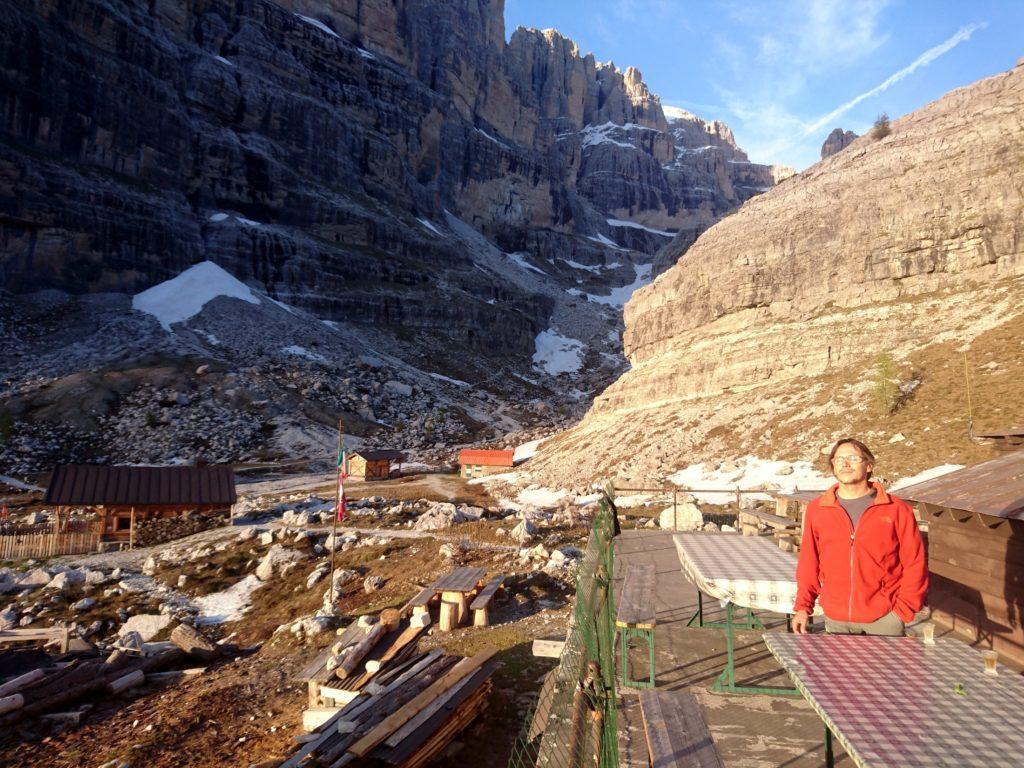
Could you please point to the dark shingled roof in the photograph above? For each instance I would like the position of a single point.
(379, 455)
(139, 486)
(993, 487)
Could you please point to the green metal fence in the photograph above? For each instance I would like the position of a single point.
(573, 722)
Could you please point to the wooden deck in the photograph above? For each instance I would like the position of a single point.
(748, 731)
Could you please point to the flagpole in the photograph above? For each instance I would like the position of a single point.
(337, 503)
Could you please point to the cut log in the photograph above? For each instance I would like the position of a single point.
(399, 718)
(348, 664)
(193, 643)
(130, 680)
(15, 685)
(390, 618)
(449, 618)
(548, 649)
(459, 598)
(411, 633)
(115, 659)
(11, 703)
(481, 617)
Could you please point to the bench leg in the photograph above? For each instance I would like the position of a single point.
(627, 634)
(830, 760)
(480, 618)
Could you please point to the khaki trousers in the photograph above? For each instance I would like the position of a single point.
(889, 625)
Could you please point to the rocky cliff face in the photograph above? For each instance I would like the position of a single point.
(393, 165)
(837, 141)
(777, 311)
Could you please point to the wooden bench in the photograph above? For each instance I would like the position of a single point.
(420, 603)
(676, 732)
(785, 529)
(481, 603)
(60, 635)
(635, 619)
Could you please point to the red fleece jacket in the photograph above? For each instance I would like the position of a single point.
(860, 575)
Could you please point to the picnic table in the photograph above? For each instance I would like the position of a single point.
(455, 588)
(745, 571)
(895, 701)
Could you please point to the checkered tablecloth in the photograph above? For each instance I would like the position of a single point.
(748, 571)
(893, 702)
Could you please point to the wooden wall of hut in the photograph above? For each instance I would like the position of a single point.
(976, 567)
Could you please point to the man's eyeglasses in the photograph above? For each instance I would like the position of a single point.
(853, 461)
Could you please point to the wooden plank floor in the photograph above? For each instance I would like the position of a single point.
(748, 731)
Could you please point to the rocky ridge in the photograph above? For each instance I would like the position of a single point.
(837, 141)
(886, 247)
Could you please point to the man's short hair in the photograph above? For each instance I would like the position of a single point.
(864, 451)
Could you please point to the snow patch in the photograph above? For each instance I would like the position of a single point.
(556, 353)
(430, 226)
(222, 60)
(218, 217)
(746, 473)
(526, 450)
(928, 474)
(298, 351)
(634, 225)
(520, 259)
(365, 53)
(603, 240)
(619, 296)
(318, 24)
(450, 380)
(229, 604)
(182, 297)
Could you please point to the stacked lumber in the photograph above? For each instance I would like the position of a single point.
(411, 713)
(364, 650)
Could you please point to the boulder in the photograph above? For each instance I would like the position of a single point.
(83, 605)
(247, 534)
(685, 517)
(524, 532)
(267, 538)
(398, 388)
(278, 560)
(66, 580)
(8, 619)
(373, 583)
(149, 567)
(147, 625)
(34, 579)
(439, 517)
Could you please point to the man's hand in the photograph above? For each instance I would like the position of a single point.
(800, 622)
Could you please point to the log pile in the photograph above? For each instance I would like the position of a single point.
(45, 691)
(159, 530)
(409, 714)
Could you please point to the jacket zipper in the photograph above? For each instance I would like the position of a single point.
(853, 534)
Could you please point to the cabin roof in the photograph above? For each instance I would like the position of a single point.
(92, 484)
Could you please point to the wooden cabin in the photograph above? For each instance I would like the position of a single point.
(373, 465)
(124, 497)
(975, 541)
(477, 463)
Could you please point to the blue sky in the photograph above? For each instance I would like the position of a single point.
(784, 74)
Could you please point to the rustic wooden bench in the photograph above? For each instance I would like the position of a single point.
(481, 603)
(60, 635)
(635, 619)
(677, 735)
(420, 603)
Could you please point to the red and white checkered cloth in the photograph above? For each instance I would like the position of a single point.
(893, 702)
(748, 571)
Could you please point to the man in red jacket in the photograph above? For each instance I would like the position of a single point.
(861, 554)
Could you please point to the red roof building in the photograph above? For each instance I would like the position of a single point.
(477, 463)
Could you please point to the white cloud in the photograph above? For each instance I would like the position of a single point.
(926, 58)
